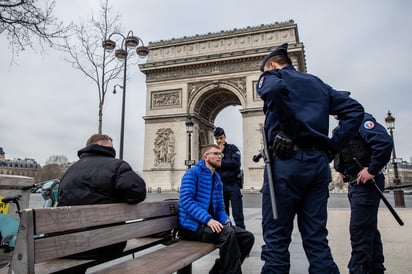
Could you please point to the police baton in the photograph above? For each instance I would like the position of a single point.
(388, 205)
(268, 165)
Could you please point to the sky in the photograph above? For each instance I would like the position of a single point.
(49, 108)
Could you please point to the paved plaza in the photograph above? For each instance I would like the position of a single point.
(397, 241)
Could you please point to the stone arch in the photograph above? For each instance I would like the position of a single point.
(199, 76)
(208, 101)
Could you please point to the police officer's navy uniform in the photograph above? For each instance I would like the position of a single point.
(229, 173)
(372, 147)
(301, 181)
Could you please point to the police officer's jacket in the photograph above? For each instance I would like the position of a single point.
(371, 146)
(230, 168)
(300, 104)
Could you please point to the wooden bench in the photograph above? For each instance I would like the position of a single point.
(47, 235)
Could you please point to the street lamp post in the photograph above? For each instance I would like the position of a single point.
(189, 130)
(123, 114)
(128, 42)
(397, 193)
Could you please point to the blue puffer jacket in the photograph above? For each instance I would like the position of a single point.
(195, 194)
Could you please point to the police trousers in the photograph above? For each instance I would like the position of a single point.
(233, 196)
(367, 250)
(301, 189)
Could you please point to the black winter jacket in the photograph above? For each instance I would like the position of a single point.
(99, 178)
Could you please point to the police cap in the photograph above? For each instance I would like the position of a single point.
(281, 50)
(218, 131)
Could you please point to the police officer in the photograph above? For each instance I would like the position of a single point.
(371, 147)
(297, 108)
(229, 172)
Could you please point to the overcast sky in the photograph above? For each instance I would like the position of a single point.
(48, 108)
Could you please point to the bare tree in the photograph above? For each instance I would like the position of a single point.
(51, 171)
(55, 167)
(23, 20)
(86, 53)
(57, 159)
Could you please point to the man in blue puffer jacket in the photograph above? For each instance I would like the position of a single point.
(202, 215)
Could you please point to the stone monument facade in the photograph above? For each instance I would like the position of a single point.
(198, 76)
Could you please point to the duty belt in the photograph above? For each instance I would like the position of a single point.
(307, 147)
(352, 178)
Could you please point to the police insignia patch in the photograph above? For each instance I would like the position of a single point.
(369, 125)
(262, 79)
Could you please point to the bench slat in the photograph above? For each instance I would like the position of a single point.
(49, 220)
(132, 246)
(71, 243)
(178, 255)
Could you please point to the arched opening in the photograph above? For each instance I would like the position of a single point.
(230, 119)
(211, 100)
(219, 97)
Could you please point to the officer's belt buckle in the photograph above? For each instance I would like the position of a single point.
(352, 182)
(352, 179)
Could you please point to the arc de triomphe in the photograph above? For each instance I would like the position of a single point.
(199, 76)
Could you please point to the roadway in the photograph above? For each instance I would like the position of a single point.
(253, 199)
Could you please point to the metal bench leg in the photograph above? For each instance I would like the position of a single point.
(185, 270)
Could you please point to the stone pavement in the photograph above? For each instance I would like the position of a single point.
(397, 241)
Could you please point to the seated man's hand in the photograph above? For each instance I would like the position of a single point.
(214, 225)
(283, 145)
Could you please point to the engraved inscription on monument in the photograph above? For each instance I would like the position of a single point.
(168, 98)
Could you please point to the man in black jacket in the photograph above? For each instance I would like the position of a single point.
(99, 178)
(229, 172)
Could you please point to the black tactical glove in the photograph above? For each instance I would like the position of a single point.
(283, 145)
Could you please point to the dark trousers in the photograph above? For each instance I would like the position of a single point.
(367, 250)
(232, 194)
(301, 189)
(234, 245)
